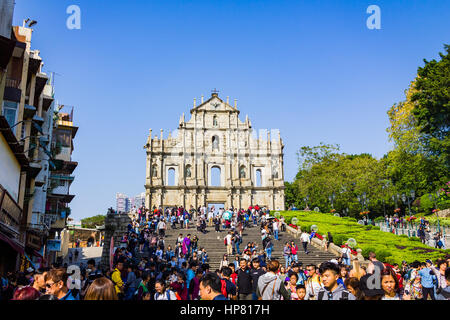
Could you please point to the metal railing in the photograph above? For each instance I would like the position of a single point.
(10, 211)
(12, 83)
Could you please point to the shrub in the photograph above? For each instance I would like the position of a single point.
(443, 204)
(379, 219)
(366, 250)
(382, 254)
(426, 204)
(391, 260)
(339, 239)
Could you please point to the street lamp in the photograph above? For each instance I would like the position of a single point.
(364, 202)
(395, 199)
(306, 200)
(408, 199)
(331, 198)
(383, 187)
(435, 198)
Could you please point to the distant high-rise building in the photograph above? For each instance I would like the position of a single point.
(138, 201)
(122, 203)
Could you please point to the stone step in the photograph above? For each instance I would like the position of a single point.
(213, 244)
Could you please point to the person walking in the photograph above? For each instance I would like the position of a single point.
(256, 272)
(287, 254)
(244, 281)
(229, 243)
(130, 285)
(270, 286)
(345, 255)
(268, 247)
(162, 228)
(116, 278)
(294, 251)
(304, 238)
(427, 276)
(224, 262)
(275, 229)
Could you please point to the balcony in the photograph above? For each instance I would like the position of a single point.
(61, 194)
(29, 112)
(34, 169)
(12, 90)
(12, 83)
(6, 50)
(62, 177)
(48, 96)
(10, 212)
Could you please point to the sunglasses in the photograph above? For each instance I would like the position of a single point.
(49, 285)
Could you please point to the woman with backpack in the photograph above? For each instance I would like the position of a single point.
(142, 289)
(162, 293)
(267, 243)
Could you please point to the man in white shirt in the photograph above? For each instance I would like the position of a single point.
(346, 255)
(161, 227)
(275, 229)
(210, 217)
(228, 238)
(304, 238)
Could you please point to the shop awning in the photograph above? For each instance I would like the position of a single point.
(16, 246)
(37, 254)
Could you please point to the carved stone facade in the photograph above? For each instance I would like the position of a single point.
(249, 168)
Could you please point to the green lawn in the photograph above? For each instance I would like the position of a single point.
(389, 248)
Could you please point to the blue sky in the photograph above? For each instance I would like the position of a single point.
(309, 68)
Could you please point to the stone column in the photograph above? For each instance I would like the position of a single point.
(229, 201)
(272, 200)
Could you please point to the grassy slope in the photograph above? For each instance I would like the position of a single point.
(388, 247)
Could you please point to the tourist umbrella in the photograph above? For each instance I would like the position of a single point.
(227, 215)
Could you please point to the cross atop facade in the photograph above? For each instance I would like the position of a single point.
(214, 92)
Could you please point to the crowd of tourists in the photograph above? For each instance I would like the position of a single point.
(145, 268)
(424, 231)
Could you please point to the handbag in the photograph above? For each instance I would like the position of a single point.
(273, 289)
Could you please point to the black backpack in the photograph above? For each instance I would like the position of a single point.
(344, 296)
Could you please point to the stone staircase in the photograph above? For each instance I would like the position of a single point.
(213, 243)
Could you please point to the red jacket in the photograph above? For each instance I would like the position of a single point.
(181, 289)
(294, 249)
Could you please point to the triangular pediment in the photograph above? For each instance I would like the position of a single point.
(214, 104)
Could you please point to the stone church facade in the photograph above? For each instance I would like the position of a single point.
(215, 158)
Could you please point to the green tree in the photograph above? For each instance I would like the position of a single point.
(432, 106)
(92, 222)
(323, 171)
